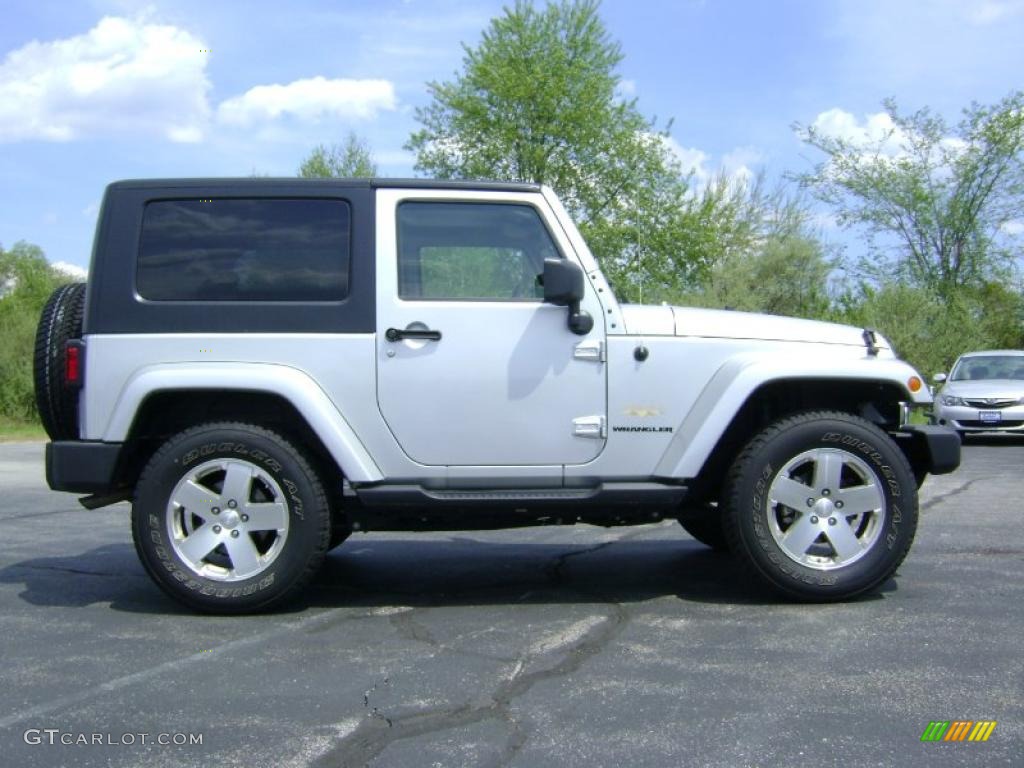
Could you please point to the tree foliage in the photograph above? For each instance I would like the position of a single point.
(785, 276)
(760, 252)
(537, 100)
(26, 281)
(931, 330)
(945, 194)
(352, 159)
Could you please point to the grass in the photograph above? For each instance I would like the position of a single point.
(12, 430)
(920, 416)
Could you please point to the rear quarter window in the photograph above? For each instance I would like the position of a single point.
(294, 250)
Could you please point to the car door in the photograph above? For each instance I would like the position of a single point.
(490, 375)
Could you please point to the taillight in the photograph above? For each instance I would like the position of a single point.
(74, 359)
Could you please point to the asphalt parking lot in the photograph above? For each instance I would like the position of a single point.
(573, 646)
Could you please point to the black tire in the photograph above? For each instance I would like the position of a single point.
(831, 566)
(707, 529)
(217, 582)
(60, 322)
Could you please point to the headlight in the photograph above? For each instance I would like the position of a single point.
(951, 400)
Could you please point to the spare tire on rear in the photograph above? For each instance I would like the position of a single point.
(60, 322)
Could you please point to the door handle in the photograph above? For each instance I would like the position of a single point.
(396, 334)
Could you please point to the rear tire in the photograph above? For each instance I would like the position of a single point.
(230, 518)
(821, 506)
(60, 322)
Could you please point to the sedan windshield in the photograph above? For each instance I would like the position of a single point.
(989, 367)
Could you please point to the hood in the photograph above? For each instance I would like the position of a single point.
(727, 324)
(1004, 389)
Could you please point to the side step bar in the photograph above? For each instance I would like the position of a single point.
(411, 507)
(605, 495)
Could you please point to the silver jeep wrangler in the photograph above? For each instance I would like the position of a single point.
(263, 366)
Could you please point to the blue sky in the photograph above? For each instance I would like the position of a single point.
(97, 90)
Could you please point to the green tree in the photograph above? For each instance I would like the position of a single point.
(26, 281)
(785, 276)
(760, 252)
(931, 330)
(352, 159)
(945, 194)
(537, 100)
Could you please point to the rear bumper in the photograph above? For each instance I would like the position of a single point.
(81, 466)
(931, 448)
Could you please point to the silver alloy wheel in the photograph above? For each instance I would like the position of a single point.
(227, 520)
(825, 508)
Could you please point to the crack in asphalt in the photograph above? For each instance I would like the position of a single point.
(943, 497)
(554, 572)
(65, 569)
(408, 628)
(378, 731)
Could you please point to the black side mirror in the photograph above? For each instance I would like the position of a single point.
(563, 282)
(563, 286)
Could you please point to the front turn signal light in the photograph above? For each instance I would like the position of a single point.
(914, 384)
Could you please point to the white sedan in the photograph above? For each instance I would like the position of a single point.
(983, 393)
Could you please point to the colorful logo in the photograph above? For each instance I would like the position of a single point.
(958, 730)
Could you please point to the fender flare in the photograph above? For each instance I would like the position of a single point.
(294, 385)
(737, 379)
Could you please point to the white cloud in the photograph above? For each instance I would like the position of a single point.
(877, 128)
(878, 139)
(932, 51)
(990, 11)
(123, 75)
(691, 159)
(825, 221)
(739, 164)
(626, 89)
(309, 100)
(1013, 227)
(72, 270)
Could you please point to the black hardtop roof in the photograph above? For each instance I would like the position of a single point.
(251, 182)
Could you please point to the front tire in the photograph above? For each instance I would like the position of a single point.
(821, 506)
(230, 518)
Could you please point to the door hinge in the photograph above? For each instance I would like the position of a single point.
(590, 426)
(590, 350)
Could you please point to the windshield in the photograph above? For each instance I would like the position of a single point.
(989, 367)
